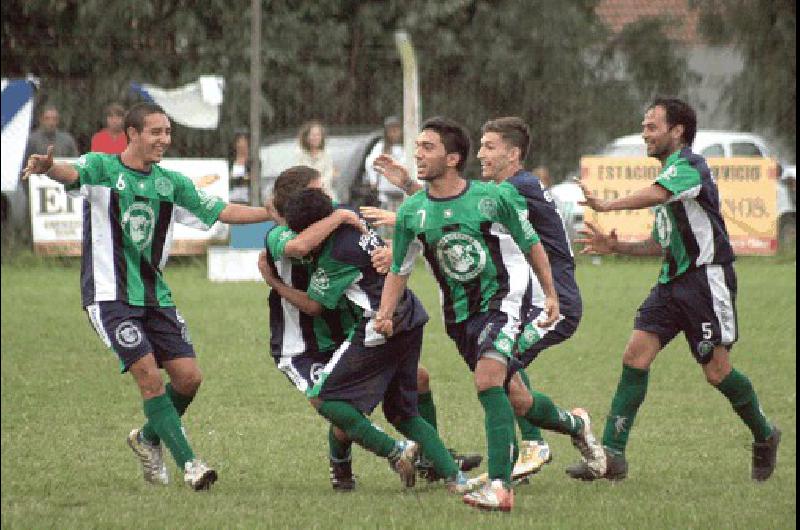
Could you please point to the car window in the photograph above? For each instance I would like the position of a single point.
(625, 150)
(713, 150)
(745, 149)
(277, 157)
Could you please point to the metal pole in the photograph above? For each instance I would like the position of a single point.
(255, 103)
(411, 104)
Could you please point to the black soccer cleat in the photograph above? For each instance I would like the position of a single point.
(465, 462)
(342, 478)
(765, 455)
(616, 469)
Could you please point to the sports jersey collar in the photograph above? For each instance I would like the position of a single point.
(444, 199)
(142, 173)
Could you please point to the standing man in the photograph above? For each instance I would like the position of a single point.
(695, 293)
(111, 139)
(49, 134)
(367, 368)
(504, 147)
(485, 287)
(131, 204)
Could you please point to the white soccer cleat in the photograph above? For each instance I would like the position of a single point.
(492, 496)
(198, 475)
(151, 458)
(590, 449)
(533, 455)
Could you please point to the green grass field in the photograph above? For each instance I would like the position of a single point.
(66, 412)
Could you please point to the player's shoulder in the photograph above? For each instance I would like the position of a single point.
(352, 246)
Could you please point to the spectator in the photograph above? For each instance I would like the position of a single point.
(48, 134)
(544, 176)
(389, 195)
(239, 169)
(312, 153)
(111, 139)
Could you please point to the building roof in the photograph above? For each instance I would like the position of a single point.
(616, 14)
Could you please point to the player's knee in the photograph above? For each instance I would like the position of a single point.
(340, 435)
(521, 402)
(423, 380)
(188, 383)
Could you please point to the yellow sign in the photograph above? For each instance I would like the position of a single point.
(747, 188)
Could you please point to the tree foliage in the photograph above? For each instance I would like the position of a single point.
(553, 63)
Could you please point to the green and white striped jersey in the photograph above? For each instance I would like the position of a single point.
(689, 226)
(127, 227)
(476, 269)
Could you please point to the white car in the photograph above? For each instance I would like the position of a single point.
(708, 143)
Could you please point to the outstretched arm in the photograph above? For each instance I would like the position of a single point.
(643, 198)
(394, 172)
(313, 236)
(296, 297)
(239, 214)
(43, 165)
(598, 242)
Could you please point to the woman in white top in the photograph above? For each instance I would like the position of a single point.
(392, 144)
(312, 154)
(239, 169)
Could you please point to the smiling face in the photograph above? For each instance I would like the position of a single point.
(431, 156)
(151, 143)
(498, 158)
(661, 139)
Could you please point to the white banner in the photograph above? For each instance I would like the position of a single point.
(193, 105)
(57, 218)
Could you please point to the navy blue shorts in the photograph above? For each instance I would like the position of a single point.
(133, 331)
(491, 331)
(701, 303)
(534, 339)
(304, 370)
(365, 376)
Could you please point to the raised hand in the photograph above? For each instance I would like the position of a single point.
(595, 203)
(377, 216)
(392, 170)
(596, 241)
(382, 259)
(38, 164)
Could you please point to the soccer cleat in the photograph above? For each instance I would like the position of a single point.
(459, 484)
(590, 449)
(465, 462)
(492, 496)
(402, 461)
(198, 476)
(533, 455)
(342, 478)
(616, 469)
(765, 455)
(151, 458)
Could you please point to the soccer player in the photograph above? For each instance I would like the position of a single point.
(367, 368)
(504, 147)
(695, 293)
(485, 286)
(131, 205)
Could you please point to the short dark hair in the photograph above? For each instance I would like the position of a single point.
(454, 137)
(513, 130)
(290, 182)
(136, 115)
(678, 113)
(306, 207)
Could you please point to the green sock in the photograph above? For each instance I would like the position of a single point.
(426, 408)
(630, 394)
(339, 451)
(528, 430)
(179, 401)
(545, 414)
(357, 427)
(500, 434)
(739, 391)
(419, 430)
(166, 423)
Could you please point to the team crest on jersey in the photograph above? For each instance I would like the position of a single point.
(128, 335)
(81, 162)
(705, 347)
(461, 256)
(315, 372)
(319, 280)
(207, 200)
(369, 241)
(670, 172)
(503, 344)
(663, 227)
(488, 207)
(139, 221)
(164, 186)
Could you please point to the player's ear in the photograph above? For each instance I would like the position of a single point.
(452, 159)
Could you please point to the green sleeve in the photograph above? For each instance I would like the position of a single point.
(680, 179)
(330, 280)
(277, 238)
(401, 243)
(203, 206)
(90, 171)
(512, 210)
